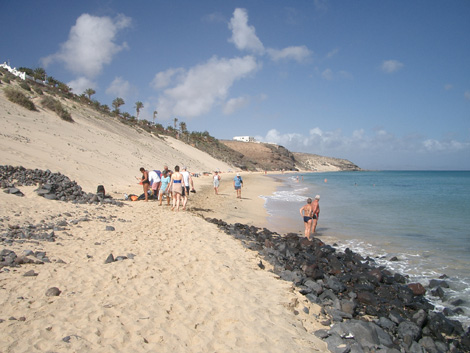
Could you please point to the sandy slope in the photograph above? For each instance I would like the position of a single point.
(94, 150)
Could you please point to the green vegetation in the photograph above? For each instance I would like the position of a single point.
(54, 105)
(20, 98)
(116, 104)
(25, 86)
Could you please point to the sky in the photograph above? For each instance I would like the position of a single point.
(384, 84)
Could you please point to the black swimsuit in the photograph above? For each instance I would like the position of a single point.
(144, 180)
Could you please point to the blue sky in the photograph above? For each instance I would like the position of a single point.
(385, 84)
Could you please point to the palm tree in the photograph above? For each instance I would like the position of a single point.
(117, 103)
(138, 107)
(89, 92)
(154, 116)
(39, 74)
(183, 128)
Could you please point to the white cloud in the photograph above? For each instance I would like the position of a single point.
(120, 88)
(244, 36)
(327, 74)
(332, 53)
(440, 146)
(234, 104)
(391, 66)
(467, 95)
(380, 143)
(80, 84)
(164, 79)
(197, 90)
(448, 87)
(91, 44)
(299, 53)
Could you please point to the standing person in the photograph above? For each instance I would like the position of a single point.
(164, 188)
(155, 180)
(307, 213)
(316, 213)
(176, 186)
(188, 182)
(237, 184)
(216, 182)
(145, 182)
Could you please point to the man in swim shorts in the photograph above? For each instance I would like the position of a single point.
(316, 213)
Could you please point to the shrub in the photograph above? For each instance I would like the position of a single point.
(20, 98)
(25, 86)
(38, 90)
(54, 105)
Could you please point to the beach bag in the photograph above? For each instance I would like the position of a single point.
(100, 189)
(133, 197)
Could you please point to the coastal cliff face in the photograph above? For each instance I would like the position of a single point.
(314, 162)
(264, 156)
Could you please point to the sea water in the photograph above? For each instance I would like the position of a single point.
(422, 218)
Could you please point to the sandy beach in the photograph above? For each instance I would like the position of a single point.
(182, 285)
(189, 287)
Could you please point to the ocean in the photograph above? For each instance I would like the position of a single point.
(420, 217)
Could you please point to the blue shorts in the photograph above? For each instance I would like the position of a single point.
(238, 187)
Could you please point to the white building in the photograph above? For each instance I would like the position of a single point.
(244, 139)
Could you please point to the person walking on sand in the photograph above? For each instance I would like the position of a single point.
(307, 213)
(188, 182)
(145, 182)
(164, 188)
(237, 184)
(176, 185)
(216, 182)
(316, 213)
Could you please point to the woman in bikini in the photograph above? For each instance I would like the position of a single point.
(176, 185)
(307, 212)
(145, 182)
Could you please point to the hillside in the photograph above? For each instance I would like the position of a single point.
(264, 156)
(93, 149)
(82, 132)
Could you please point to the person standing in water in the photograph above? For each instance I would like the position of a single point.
(307, 213)
(316, 213)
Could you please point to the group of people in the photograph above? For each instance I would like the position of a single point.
(237, 184)
(175, 185)
(310, 212)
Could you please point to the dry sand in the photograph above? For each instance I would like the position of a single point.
(189, 287)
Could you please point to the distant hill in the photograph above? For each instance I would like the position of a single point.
(264, 156)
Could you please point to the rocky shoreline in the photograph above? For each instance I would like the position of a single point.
(365, 307)
(52, 186)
